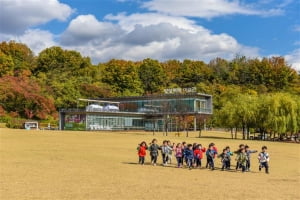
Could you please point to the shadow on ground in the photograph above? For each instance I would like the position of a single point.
(174, 166)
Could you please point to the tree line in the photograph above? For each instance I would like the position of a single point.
(249, 93)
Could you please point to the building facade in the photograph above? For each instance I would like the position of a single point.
(159, 112)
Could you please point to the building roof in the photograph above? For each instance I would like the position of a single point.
(161, 96)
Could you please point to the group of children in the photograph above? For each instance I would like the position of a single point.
(192, 155)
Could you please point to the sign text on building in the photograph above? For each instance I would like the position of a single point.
(180, 90)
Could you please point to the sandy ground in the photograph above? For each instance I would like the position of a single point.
(103, 165)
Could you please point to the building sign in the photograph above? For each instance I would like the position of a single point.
(180, 90)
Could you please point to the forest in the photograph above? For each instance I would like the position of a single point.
(248, 93)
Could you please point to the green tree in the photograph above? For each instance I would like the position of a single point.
(172, 71)
(6, 64)
(63, 74)
(15, 58)
(220, 68)
(227, 118)
(123, 77)
(192, 73)
(278, 114)
(152, 76)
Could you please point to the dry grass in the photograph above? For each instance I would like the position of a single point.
(98, 165)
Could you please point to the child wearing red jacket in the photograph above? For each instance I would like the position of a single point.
(198, 155)
(142, 152)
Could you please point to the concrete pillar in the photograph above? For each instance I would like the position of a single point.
(195, 123)
(61, 121)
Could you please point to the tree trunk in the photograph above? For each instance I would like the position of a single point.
(186, 129)
(231, 130)
(200, 132)
(243, 132)
(248, 133)
(153, 127)
(166, 129)
(235, 133)
(261, 131)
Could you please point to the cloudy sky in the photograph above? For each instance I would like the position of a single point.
(159, 29)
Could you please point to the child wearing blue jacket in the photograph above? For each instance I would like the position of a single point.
(229, 153)
(189, 155)
(210, 155)
(248, 153)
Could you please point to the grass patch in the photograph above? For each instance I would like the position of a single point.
(102, 165)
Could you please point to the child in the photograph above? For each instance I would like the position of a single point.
(165, 149)
(248, 153)
(228, 164)
(189, 155)
(242, 160)
(170, 153)
(154, 151)
(183, 146)
(210, 155)
(194, 146)
(225, 157)
(241, 146)
(264, 159)
(198, 155)
(142, 152)
(214, 148)
(215, 151)
(178, 154)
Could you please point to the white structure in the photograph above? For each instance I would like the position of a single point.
(111, 108)
(31, 125)
(94, 108)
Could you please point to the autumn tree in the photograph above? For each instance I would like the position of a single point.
(23, 97)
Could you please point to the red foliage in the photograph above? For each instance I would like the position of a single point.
(2, 111)
(24, 96)
(14, 114)
(93, 91)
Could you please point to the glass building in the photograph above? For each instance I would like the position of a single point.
(158, 112)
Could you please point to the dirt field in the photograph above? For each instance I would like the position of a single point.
(97, 165)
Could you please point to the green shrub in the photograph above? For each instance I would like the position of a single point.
(5, 119)
(17, 123)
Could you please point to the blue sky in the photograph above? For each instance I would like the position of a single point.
(159, 29)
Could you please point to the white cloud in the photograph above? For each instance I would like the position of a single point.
(85, 28)
(207, 8)
(18, 15)
(128, 22)
(36, 39)
(160, 35)
(140, 36)
(294, 59)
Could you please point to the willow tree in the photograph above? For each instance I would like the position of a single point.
(226, 117)
(278, 114)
